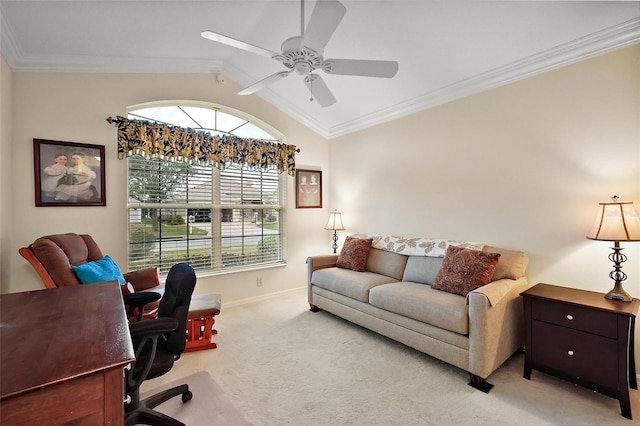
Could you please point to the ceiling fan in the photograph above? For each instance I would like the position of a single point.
(304, 54)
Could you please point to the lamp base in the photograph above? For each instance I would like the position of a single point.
(335, 242)
(618, 293)
(617, 275)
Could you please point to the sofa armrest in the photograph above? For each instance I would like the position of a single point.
(496, 324)
(318, 262)
(143, 279)
(495, 291)
(322, 261)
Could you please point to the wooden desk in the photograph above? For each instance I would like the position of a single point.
(62, 352)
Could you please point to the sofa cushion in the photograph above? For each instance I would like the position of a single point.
(464, 270)
(386, 263)
(354, 254)
(355, 285)
(422, 269)
(512, 264)
(422, 303)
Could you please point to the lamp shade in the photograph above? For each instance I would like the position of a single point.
(617, 221)
(335, 221)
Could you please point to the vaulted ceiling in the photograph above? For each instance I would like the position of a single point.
(445, 49)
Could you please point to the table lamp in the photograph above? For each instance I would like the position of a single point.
(335, 224)
(616, 221)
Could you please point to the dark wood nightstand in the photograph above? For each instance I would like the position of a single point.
(582, 337)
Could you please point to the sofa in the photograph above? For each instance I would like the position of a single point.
(394, 293)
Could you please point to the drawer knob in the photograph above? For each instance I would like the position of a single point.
(569, 317)
(570, 353)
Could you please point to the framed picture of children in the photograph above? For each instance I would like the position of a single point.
(68, 174)
(308, 189)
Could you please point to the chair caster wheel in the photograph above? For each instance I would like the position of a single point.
(187, 396)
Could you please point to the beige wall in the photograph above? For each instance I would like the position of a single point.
(73, 107)
(6, 76)
(521, 166)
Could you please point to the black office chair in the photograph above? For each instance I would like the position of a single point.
(158, 343)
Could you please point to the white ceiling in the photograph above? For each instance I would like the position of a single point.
(445, 49)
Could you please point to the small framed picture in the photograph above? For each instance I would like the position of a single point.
(68, 174)
(308, 189)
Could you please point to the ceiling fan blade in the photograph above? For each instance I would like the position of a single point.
(366, 68)
(319, 90)
(324, 20)
(264, 83)
(237, 44)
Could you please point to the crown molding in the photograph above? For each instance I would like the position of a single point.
(599, 43)
(8, 45)
(114, 64)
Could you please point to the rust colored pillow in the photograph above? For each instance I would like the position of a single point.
(354, 253)
(464, 270)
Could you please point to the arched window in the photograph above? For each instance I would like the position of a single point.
(216, 220)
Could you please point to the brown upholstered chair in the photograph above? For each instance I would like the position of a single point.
(53, 255)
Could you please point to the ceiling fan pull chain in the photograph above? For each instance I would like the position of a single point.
(311, 87)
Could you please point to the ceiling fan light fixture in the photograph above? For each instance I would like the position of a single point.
(303, 68)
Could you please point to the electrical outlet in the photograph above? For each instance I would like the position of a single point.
(259, 281)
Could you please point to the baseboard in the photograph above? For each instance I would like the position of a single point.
(262, 297)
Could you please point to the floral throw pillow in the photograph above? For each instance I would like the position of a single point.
(464, 270)
(354, 254)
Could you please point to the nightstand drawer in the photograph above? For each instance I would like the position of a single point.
(575, 317)
(580, 356)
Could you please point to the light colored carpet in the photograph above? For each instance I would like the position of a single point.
(210, 404)
(281, 364)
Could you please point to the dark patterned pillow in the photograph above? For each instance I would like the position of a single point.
(354, 253)
(464, 270)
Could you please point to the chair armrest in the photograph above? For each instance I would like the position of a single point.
(136, 302)
(496, 324)
(141, 298)
(152, 328)
(143, 279)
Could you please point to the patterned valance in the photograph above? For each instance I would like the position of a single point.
(174, 143)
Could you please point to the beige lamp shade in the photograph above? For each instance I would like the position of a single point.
(617, 221)
(335, 221)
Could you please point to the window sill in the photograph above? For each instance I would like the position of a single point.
(237, 270)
